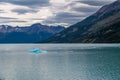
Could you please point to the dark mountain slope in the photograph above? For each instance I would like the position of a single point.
(76, 33)
(105, 31)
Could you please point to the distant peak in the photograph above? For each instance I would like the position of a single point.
(37, 24)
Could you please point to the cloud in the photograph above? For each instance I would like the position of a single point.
(74, 11)
(36, 18)
(25, 14)
(49, 12)
(12, 21)
(83, 7)
(24, 11)
(96, 2)
(66, 17)
(69, 15)
(29, 3)
(1, 11)
(7, 18)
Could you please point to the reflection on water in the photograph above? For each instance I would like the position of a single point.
(61, 62)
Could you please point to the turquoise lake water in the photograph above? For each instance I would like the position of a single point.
(61, 62)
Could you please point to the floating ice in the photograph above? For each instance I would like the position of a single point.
(37, 51)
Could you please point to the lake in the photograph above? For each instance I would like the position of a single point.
(61, 62)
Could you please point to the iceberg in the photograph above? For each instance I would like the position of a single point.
(37, 51)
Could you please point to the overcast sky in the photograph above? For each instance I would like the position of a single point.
(50, 12)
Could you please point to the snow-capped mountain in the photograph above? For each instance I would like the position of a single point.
(29, 34)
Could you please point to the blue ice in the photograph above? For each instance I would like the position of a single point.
(37, 51)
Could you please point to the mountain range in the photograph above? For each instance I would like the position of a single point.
(101, 27)
(29, 34)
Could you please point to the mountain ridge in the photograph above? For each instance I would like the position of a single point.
(28, 34)
(75, 33)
